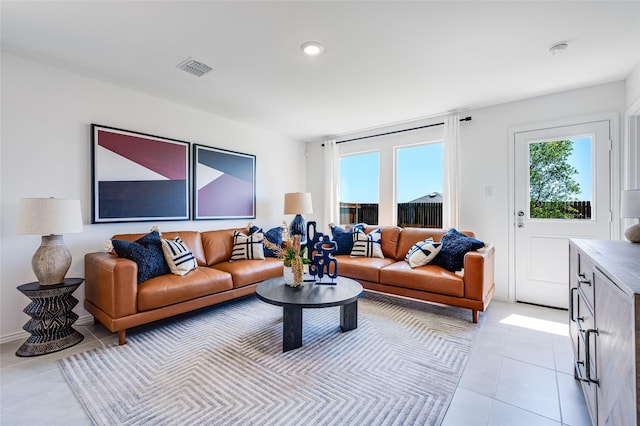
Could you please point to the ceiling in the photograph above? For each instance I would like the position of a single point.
(383, 62)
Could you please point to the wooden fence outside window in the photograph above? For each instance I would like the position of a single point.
(427, 215)
(417, 215)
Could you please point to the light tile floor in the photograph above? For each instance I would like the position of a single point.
(520, 372)
(515, 376)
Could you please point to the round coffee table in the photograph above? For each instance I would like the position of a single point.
(345, 294)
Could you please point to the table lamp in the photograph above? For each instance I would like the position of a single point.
(630, 207)
(50, 217)
(298, 203)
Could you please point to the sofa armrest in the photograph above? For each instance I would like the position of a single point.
(479, 272)
(111, 283)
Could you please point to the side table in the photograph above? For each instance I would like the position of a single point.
(51, 317)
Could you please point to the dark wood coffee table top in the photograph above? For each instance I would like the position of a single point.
(309, 294)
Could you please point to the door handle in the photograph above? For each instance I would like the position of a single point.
(582, 279)
(519, 221)
(587, 351)
(571, 303)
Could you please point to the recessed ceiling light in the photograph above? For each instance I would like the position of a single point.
(312, 48)
(559, 47)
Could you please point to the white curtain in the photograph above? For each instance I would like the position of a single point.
(451, 172)
(331, 185)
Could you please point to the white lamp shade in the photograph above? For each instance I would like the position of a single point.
(48, 216)
(630, 203)
(297, 203)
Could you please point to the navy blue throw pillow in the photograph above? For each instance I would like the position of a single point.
(344, 238)
(147, 253)
(454, 246)
(274, 235)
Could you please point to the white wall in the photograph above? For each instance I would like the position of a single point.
(632, 132)
(633, 86)
(485, 163)
(46, 151)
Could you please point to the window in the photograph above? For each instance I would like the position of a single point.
(359, 188)
(560, 179)
(419, 185)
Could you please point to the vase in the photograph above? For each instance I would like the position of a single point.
(289, 278)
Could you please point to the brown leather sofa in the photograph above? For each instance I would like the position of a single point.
(115, 299)
(432, 283)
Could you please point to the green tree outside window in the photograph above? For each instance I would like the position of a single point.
(552, 186)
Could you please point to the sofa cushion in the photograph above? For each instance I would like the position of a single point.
(191, 239)
(454, 246)
(178, 256)
(410, 236)
(247, 247)
(366, 245)
(422, 252)
(245, 272)
(146, 252)
(429, 278)
(389, 239)
(218, 245)
(361, 268)
(169, 289)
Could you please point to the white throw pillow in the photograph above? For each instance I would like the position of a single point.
(367, 245)
(422, 252)
(247, 247)
(178, 256)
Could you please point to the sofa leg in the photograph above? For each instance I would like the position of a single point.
(475, 315)
(122, 337)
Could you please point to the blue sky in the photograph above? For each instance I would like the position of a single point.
(359, 178)
(581, 159)
(421, 172)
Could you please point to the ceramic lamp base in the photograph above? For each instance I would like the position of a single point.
(633, 233)
(299, 227)
(51, 261)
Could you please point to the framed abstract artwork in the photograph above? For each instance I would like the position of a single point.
(138, 177)
(224, 184)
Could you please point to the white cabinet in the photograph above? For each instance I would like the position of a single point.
(604, 315)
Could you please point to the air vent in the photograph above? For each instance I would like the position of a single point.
(194, 67)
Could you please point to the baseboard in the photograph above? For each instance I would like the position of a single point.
(23, 335)
(85, 320)
(18, 335)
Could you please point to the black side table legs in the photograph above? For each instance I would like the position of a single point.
(51, 317)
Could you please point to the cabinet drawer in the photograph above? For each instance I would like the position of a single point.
(584, 313)
(582, 336)
(586, 367)
(589, 389)
(584, 278)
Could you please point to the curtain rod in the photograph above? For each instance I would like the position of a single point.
(398, 131)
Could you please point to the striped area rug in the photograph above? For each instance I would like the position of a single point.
(225, 366)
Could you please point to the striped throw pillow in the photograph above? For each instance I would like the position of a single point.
(367, 245)
(247, 246)
(422, 252)
(178, 256)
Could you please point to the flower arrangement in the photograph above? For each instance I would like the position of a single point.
(291, 252)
